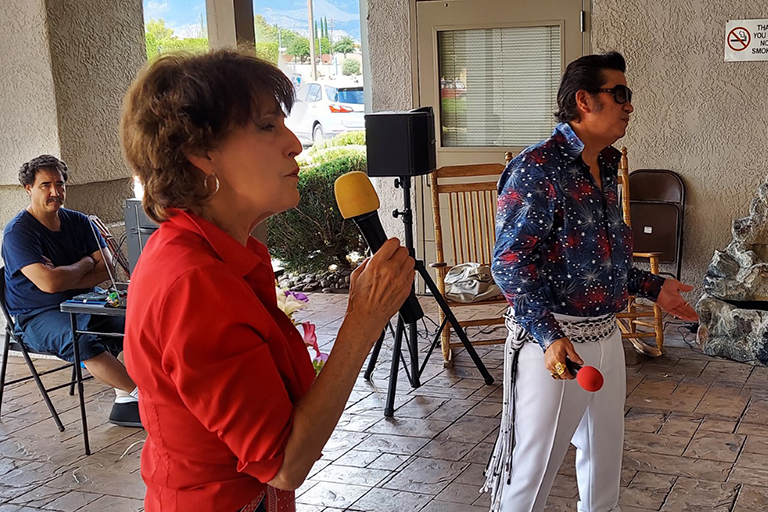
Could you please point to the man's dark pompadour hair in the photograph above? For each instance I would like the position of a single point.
(584, 73)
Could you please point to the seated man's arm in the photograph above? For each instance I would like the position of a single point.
(98, 274)
(52, 279)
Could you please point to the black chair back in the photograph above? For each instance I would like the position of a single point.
(656, 208)
(14, 341)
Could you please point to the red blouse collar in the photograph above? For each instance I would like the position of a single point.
(229, 250)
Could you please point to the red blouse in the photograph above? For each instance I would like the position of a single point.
(219, 367)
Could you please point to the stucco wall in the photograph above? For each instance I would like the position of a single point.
(66, 67)
(389, 52)
(694, 113)
(97, 46)
(27, 103)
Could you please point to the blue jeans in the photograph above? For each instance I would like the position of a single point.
(50, 332)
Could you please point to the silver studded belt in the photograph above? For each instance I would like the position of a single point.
(578, 331)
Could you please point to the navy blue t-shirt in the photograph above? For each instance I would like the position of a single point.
(26, 241)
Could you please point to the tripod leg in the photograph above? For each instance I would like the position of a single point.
(414, 351)
(445, 342)
(374, 356)
(454, 323)
(389, 407)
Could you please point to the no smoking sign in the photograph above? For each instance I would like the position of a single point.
(746, 40)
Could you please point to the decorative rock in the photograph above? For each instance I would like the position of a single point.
(327, 282)
(734, 308)
(726, 330)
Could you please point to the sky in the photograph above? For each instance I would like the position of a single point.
(184, 15)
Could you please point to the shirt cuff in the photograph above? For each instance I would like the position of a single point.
(263, 470)
(651, 287)
(546, 331)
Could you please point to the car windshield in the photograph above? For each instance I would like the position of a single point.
(345, 95)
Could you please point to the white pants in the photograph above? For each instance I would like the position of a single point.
(550, 414)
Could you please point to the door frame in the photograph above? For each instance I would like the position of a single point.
(422, 194)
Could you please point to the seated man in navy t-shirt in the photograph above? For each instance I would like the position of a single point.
(51, 255)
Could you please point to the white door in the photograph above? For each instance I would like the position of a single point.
(490, 69)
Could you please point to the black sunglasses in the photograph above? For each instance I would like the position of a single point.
(621, 93)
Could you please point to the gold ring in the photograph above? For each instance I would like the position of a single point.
(560, 368)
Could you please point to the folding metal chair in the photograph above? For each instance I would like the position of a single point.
(657, 205)
(654, 211)
(19, 345)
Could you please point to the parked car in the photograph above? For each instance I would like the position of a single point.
(326, 108)
(452, 88)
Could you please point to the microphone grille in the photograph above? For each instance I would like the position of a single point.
(355, 194)
(590, 378)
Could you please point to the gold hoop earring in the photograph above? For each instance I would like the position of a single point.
(216, 184)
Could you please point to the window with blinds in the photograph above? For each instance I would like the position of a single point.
(498, 87)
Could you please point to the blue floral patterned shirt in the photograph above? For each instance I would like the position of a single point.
(561, 243)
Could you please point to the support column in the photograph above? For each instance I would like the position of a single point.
(230, 25)
(66, 67)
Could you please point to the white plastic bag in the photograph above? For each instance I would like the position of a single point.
(470, 282)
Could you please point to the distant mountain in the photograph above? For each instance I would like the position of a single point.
(341, 21)
(184, 15)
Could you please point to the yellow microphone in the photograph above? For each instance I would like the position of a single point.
(357, 200)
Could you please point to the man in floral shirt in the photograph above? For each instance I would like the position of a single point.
(563, 259)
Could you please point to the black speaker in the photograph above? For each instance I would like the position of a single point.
(400, 143)
(138, 228)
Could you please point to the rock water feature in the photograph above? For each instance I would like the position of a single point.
(733, 310)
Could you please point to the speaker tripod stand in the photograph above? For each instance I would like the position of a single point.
(414, 375)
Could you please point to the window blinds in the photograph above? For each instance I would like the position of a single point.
(498, 87)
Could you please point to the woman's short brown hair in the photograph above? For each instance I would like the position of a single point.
(184, 104)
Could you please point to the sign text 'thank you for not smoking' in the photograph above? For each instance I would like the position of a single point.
(746, 40)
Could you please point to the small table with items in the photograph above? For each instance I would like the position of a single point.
(75, 308)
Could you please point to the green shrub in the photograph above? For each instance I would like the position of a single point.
(349, 138)
(350, 67)
(268, 51)
(323, 155)
(314, 235)
(356, 138)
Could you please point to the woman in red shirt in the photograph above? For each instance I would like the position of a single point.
(234, 416)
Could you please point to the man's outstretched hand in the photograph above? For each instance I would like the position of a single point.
(671, 301)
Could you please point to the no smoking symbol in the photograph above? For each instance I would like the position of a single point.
(738, 39)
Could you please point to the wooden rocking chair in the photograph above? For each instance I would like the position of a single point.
(465, 213)
(637, 314)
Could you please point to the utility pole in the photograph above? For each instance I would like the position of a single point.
(312, 40)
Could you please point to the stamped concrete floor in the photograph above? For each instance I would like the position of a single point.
(696, 438)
